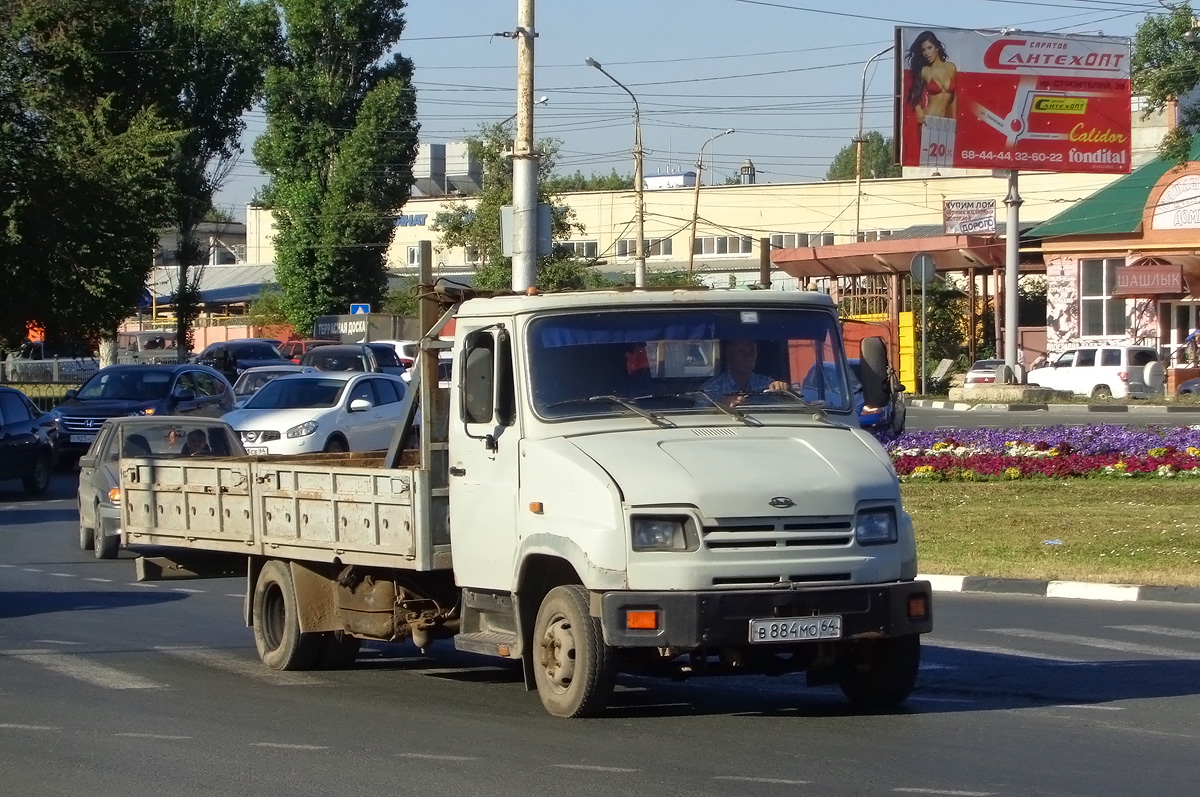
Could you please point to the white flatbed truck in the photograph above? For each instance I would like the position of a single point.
(596, 492)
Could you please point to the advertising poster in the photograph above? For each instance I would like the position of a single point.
(969, 216)
(1028, 101)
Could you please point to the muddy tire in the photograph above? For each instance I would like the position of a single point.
(275, 614)
(879, 674)
(86, 533)
(572, 667)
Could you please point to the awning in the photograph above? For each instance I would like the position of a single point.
(1157, 275)
(890, 256)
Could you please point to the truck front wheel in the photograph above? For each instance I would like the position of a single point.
(281, 645)
(573, 668)
(880, 673)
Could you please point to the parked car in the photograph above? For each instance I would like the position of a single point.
(231, 357)
(406, 350)
(26, 452)
(387, 359)
(167, 436)
(296, 349)
(147, 346)
(342, 357)
(252, 379)
(982, 372)
(445, 370)
(327, 411)
(39, 361)
(1190, 387)
(118, 390)
(1104, 372)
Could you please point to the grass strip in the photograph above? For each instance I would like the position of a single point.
(1101, 530)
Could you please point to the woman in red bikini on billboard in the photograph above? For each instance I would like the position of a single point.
(934, 90)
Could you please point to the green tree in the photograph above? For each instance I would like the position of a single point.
(558, 184)
(1166, 67)
(220, 50)
(340, 141)
(878, 159)
(402, 299)
(83, 170)
(476, 226)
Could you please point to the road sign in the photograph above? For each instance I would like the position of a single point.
(923, 268)
(360, 309)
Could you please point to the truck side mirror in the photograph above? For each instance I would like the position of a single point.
(478, 382)
(877, 387)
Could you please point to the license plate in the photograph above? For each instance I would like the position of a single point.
(796, 629)
(256, 451)
(82, 438)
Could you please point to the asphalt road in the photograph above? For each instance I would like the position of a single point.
(111, 687)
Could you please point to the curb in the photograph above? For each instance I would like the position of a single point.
(1078, 590)
(962, 406)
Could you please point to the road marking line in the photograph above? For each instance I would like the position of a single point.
(280, 746)
(999, 651)
(777, 781)
(101, 580)
(1094, 708)
(592, 768)
(432, 757)
(234, 595)
(1161, 630)
(31, 569)
(56, 642)
(8, 566)
(152, 736)
(240, 666)
(63, 575)
(83, 670)
(142, 584)
(13, 726)
(187, 590)
(1097, 642)
(947, 791)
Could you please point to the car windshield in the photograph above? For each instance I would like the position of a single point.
(689, 361)
(291, 394)
(127, 384)
(179, 440)
(250, 382)
(386, 355)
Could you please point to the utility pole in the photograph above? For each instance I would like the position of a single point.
(1012, 264)
(696, 198)
(858, 140)
(639, 261)
(525, 159)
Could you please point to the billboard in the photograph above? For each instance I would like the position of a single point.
(1030, 101)
(969, 216)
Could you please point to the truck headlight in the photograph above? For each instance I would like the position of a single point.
(659, 534)
(303, 430)
(875, 527)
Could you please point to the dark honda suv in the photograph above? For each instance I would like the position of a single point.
(119, 390)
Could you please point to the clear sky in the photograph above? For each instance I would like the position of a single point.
(786, 75)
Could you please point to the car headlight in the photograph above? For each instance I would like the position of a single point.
(875, 527)
(143, 411)
(659, 534)
(303, 430)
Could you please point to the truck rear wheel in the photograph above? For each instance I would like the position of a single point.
(281, 645)
(572, 667)
(880, 673)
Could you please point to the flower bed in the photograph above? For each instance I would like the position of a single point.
(1100, 450)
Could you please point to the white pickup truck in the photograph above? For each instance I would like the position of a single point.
(607, 486)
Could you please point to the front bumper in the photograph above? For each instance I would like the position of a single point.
(691, 620)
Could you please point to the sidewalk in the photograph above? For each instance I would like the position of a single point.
(1079, 590)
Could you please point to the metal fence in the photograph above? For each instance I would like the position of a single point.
(58, 371)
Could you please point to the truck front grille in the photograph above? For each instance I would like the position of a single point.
(742, 534)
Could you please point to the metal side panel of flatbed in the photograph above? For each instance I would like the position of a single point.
(307, 511)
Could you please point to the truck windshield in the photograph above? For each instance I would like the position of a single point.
(687, 361)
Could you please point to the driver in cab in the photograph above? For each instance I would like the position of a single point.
(739, 379)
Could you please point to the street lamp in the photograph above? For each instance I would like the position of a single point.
(542, 100)
(696, 198)
(639, 262)
(858, 140)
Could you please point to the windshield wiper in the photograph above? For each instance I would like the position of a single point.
(654, 418)
(817, 410)
(732, 413)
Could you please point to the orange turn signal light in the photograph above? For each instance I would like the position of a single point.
(114, 495)
(536, 507)
(642, 619)
(918, 607)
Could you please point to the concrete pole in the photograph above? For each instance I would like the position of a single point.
(696, 198)
(858, 140)
(1012, 262)
(525, 159)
